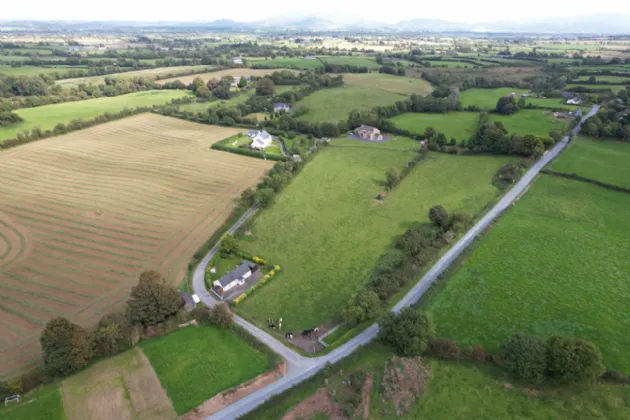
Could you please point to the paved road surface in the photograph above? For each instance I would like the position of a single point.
(300, 368)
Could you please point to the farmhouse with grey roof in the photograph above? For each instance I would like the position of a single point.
(281, 106)
(236, 277)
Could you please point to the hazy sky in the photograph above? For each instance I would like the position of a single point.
(389, 11)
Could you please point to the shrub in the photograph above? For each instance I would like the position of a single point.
(439, 216)
(228, 246)
(526, 357)
(408, 331)
(240, 298)
(572, 360)
(478, 354)
(616, 377)
(221, 316)
(276, 267)
(446, 349)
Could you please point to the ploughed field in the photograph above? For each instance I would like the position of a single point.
(85, 213)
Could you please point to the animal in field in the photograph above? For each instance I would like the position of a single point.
(289, 336)
(309, 332)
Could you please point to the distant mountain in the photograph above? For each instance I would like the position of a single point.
(432, 25)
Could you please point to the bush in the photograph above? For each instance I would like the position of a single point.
(526, 357)
(616, 377)
(572, 360)
(478, 354)
(446, 349)
(408, 331)
(361, 307)
(228, 246)
(240, 298)
(221, 316)
(439, 216)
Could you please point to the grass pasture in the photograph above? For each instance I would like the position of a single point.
(394, 84)
(196, 363)
(240, 72)
(36, 71)
(355, 60)
(457, 125)
(556, 263)
(292, 62)
(150, 73)
(610, 79)
(525, 121)
(335, 104)
(109, 202)
(121, 387)
(550, 103)
(45, 404)
(605, 161)
(613, 88)
(486, 98)
(327, 232)
(47, 116)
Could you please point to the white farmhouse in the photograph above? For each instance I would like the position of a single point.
(260, 139)
(236, 277)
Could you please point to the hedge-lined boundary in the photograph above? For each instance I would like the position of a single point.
(589, 180)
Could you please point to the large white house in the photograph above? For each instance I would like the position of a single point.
(260, 139)
(236, 277)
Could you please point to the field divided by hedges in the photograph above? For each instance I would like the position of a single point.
(108, 202)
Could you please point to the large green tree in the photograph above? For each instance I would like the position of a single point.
(152, 301)
(408, 331)
(439, 216)
(265, 86)
(361, 307)
(67, 347)
(112, 334)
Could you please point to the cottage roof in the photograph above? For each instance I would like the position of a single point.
(237, 273)
(367, 128)
(280, 105)
(253, 132)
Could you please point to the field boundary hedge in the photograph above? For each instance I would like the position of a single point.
(577, 177)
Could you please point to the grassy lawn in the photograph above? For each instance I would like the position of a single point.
(395, 142)
(461, 390)
(605, 161)
(550, 102)
(555, 264)
(335, 104)
(614, 88)
(457, 125)
(35, 71)
(300, 63)
(526, 121)
(611, 79)
(46, 117)
(486, 98)
(44, 404)
(327, 231)
(395, 84)
(196, 363)
(357, 60)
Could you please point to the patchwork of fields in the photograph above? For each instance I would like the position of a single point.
(85, 213)
(48, 116)
(239, 72)
(150, 73)
(327, 232)
(554, 264)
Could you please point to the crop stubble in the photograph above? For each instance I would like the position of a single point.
(83, 214)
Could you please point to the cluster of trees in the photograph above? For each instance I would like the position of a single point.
(559, 358)
(396, 71)
(507, 105)
(344, 68)
(276, 179)
(411, 253)
(8, 118)
(613, 121)
(68, 348)
(493, 137)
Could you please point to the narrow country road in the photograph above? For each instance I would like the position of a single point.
(300, 368)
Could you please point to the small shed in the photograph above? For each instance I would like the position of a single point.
(190, 301)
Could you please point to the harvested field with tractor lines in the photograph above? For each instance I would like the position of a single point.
(85, 213)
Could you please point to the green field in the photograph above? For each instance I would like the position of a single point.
(610, 79)
(457, 125)
(300, 63)
(525, 121)
(327, 231)
(557, 263)
(335, 104)
(46, 404)
(620, 68)
(196, 363)
(395, 142)
(162, 72)
(455, 64)
(357, 60)
(613, 88)
(486, 98)
(46, 117)
(36, 71)
(460, 390)
(550, 103)
(605, 161)
(395, 84)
